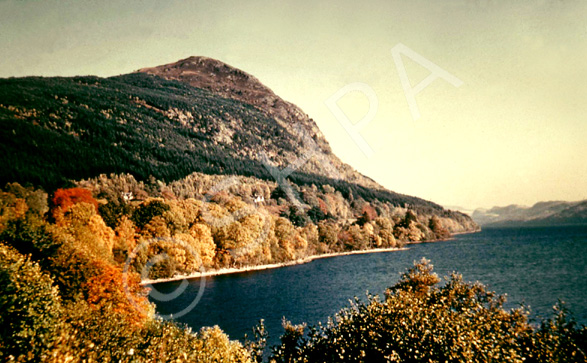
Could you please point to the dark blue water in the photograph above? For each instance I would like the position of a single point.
(535, 266)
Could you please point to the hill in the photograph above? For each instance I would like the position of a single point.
(165, 123)
(553, 213)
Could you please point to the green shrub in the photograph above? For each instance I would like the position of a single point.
(147, 211)
(168, 342)
(29, 308)
(558, 339)
(113, 211)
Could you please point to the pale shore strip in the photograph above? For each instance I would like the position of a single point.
(467, 232)
(226, 271)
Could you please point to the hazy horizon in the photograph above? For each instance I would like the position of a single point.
(513, 132)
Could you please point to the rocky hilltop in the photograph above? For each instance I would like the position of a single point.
(229, 82)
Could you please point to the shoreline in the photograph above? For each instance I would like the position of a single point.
(301, 261)
(451, 238)
(235, 270)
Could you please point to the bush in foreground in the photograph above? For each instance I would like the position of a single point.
(422, 321)
(29, 308)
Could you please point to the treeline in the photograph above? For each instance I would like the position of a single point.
(209, 222)
(60, 129)
(235, 222)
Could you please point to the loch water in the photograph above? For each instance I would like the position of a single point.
(534, 266)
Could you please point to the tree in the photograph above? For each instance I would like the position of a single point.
(311, 235)
(82, 222)
(316, 214)
(111, 289)
(296, 218)
(63, 199)
(125, 239)
(36, 199)
(410, 218)
(367, 216)
(148, 210)
(113, 211)
(328, 232)
(437, 228)
(156, 227)
(285, 234)
(204, 243)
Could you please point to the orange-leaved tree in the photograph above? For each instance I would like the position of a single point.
(118, 290)
(63, 199)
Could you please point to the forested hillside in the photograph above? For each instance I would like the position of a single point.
(60, 129)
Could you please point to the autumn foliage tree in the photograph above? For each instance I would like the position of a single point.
(118, 290)
(65, 198)
(204, 243)
(438, 229)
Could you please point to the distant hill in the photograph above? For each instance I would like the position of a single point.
(167, 122)
(551, 213)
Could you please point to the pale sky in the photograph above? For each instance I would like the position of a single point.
(514, 132)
